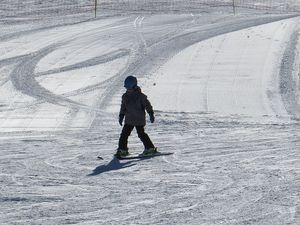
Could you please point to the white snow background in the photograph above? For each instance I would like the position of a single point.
(225, 90)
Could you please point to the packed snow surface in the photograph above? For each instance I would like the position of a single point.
(225, 90)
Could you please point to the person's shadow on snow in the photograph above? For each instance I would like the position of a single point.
(114, 164)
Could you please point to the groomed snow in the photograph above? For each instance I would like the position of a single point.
(234, 73)
(215, 81)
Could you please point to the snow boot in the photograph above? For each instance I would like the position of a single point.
(149, 151)
(122, 153)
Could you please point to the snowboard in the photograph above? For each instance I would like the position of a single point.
(144, 156)
(141, 156)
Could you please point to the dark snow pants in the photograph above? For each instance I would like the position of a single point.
(126, 131)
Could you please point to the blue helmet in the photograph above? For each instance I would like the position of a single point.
(130, 82)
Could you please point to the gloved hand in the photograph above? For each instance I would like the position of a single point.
(121, 118)
(152, 118)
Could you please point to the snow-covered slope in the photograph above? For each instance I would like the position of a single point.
(234, 73)
(220, 86)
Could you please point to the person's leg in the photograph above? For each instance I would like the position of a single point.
(144, 137)
(123, 141)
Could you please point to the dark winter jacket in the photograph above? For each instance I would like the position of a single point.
(134, 104)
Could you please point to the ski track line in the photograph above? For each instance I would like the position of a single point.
(206, 85)
(180, 85)
(182, 163)
(54, 161)
(234, 83)
(102, 59)
(289, 74)
(261, 84)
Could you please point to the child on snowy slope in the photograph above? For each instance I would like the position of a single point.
(134, 104)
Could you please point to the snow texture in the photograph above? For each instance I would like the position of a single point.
(225, 89)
